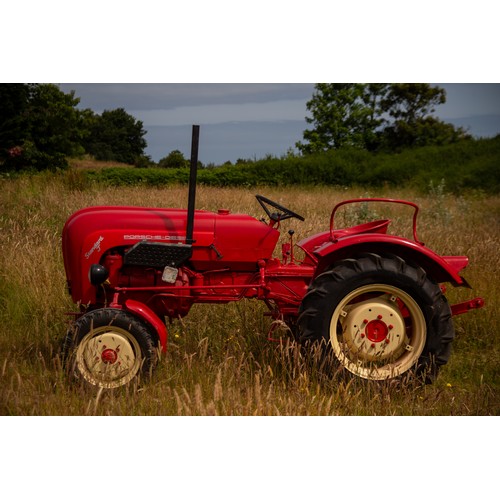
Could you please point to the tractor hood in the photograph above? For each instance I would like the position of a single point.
(128, 225)
(221, 240)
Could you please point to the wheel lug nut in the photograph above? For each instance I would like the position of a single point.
(362, 335)
(379, 316)
(390, 327)
(365, 321)
(373, 344)
(387, 341)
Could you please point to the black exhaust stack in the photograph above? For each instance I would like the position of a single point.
(192, 184)
(161, 255)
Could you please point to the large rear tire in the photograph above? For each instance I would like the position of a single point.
(109, 348)
(380, 317)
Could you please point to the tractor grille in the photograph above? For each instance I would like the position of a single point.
(152, 254)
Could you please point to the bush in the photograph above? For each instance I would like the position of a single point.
(465, 165)
(29, 157)
(144, 162)
(175, 159)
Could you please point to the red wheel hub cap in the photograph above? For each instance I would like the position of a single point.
(376, 330)
(109, 356)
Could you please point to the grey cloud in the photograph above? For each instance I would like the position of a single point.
(148, 96)
(470, 99)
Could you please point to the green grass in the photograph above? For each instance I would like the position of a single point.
(219, 360)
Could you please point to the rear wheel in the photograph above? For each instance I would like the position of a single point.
(380, 317)
(108, 348)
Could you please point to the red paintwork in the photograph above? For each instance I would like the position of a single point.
(89, 233)
(441, 269)
(109, 356)
(467, 306)
(147, 315)
(376, 330)
(233, 258)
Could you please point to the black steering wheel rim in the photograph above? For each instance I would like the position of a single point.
(286, 212)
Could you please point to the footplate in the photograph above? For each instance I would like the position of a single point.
(159, 255)
(467, 306)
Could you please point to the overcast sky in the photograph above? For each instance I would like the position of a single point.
(270, 41)
(251, 120)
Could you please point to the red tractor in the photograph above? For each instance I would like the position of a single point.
(373, 299)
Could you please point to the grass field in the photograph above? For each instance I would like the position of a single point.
(219, 361)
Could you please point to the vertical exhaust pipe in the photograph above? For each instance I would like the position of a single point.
(192, 184)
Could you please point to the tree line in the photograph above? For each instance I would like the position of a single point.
(41, 126)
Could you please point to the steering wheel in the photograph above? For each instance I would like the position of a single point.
(282, 214)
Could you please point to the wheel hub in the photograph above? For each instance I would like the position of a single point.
(108, 356)
(374, 329)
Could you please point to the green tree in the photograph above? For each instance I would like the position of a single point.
(175, 159)
(373, 98)
(412, 101)
(39, 126)
(343, 114)
(55, 124)
(410, 106)
(14, 99)
(114, 135)
(336, 116)
(375, 116)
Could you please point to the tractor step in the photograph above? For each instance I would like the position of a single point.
(158, 255)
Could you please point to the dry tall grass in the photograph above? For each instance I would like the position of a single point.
(219, 361)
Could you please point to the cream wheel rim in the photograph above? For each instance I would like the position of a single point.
(378, 332)
(108, 357)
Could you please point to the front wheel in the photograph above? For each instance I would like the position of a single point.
(380, 316)
(108, 348)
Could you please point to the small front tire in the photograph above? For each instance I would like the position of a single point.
(109, 348)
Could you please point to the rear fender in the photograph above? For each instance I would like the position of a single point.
(440, 269)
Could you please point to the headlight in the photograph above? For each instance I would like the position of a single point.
(98, 274)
